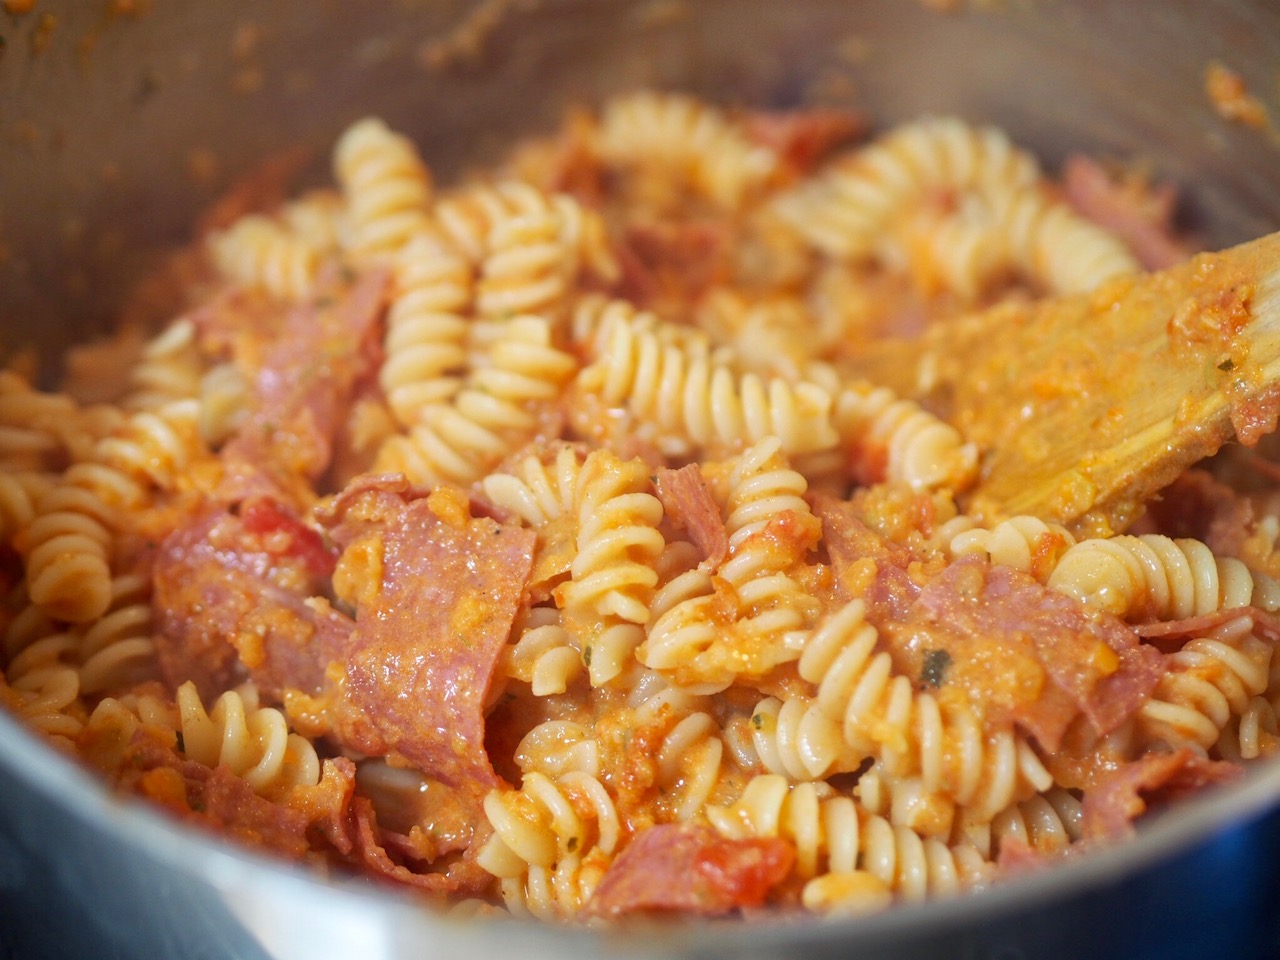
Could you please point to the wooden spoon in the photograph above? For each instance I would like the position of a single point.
(1088, 406)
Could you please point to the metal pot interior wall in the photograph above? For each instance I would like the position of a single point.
(120, 122)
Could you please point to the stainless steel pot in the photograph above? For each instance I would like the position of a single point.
(119, 120)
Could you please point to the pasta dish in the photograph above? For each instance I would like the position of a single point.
(535, 542)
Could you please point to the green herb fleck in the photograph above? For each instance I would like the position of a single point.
(586, 655)
(757, 721)
(1227, 365)
(934, 671)
(572, 844)
(182, 744)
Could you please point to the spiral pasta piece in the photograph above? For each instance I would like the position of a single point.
(490, 417)
(1158, 578)
(618, 540)
(556, 747)
(1048, 241)
(117, 650)
(557, 893)
(1254, 733)
(765, 490)
(706, 639)
(682, 136)
(845, 211)
(253, 742)
(66, 549)
(18, 493)
(834, 839)
(387, 188)
(689, 765)
(878, 712)
(544, 654)
(46, 697)
(1013, 229)
(169, 369)
(317, 219)
(1208, 682)
(257, 252)
(115, 722)
(156, 446)
(960, 250)
(534, 491)
(426, 340)
(32, 425)
(548, 826)
(223, 403)
(689, 397)
(1025, 543)
(789, 742)
(887, 437)
(527, 269)
(470, 216)
(1047, 823)
(907, 802)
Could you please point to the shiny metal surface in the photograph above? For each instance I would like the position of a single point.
(115, 129)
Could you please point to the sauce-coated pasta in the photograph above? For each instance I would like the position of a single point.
(534, 542)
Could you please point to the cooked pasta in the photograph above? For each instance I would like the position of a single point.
(1025, 543)
(427, 325)
(544, 654)
(117, 651)
(1158, 577)
(890, 438)
(679, 140)
(833, 839)
(387, 187)
(66, 550)
(535, 542)
(690, 398)
(169, 369)
(464, 437)
(254, 742)
(256, 252)
(1212, 679)
(845, 209)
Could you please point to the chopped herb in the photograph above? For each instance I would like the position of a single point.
(757, 721)
(586, 655)
(182, 744)
(934, 670)
(572, 844)
(1227, 365)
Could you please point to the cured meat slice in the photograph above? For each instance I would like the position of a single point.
(691, 868)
